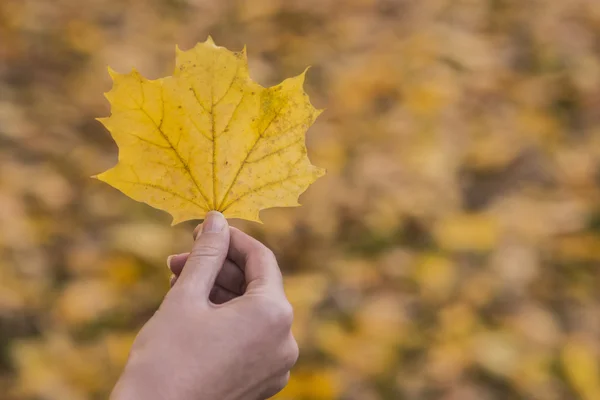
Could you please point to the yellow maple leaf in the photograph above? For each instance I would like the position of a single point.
(210, 138)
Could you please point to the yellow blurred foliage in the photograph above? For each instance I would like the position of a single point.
(313, 383)
(581, 367)
(467, 233)
(84, 301)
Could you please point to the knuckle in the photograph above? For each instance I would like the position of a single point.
(204, 251)
(267, 255)
(279, 315)
(279, 384)
(196, 231)
(290, 354)
(287, 315)
(283, 381)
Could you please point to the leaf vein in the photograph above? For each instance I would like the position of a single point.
(214, 133)
(143, 139)
(275, 152)
(166, 190)
(172, 147)
(266, 185)
(239, 171)
(230, 85)
(233, 114)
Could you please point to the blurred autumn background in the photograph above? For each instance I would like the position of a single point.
(452, 252)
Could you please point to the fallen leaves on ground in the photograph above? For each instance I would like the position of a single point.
(451, 251)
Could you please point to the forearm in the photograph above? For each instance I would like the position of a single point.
(161, 379)
(142, 382)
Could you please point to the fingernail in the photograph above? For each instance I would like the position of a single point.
(214, 222)
(169, 261)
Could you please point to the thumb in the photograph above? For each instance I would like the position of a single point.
(207, 256)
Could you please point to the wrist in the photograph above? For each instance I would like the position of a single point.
(137, 382)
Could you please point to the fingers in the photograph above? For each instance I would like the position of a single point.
(197, 231)
(259, 264)
(176, 262)
(231, 277)
(207, 256)
(259, 271)
(219, 295)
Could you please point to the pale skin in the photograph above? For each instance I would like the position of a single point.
(223, 331)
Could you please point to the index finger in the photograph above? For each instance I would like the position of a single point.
(258, 262)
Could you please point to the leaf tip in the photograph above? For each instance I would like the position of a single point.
(210, 40)
(113, 74)
(302, 76)
(135, 72)
(100, 176)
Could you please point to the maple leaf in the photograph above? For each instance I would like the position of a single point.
(210, 138)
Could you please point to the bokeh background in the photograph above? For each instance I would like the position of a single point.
(452, 251)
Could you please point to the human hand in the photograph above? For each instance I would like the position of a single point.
(230, 282)
(215, 336)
